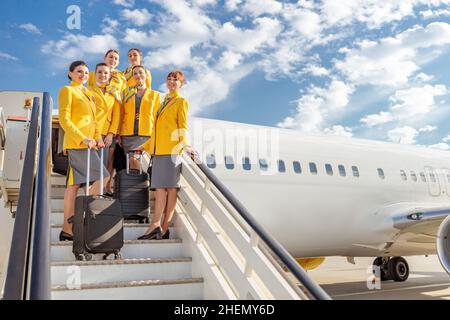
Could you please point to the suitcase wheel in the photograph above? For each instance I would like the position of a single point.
(105, 257)
(88, 256)
(117, 255)
(79, 257)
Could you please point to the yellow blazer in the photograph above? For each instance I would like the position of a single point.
(151, 100)
(77, 116)
(131, 82)
(117, 80)
(108, 111)
(169, 135)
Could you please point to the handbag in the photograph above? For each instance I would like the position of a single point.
(60, 163)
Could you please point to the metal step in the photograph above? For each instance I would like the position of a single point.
(57, 203)
(132, 249)
(131, 231)
(106, 271)
(178, 289)
(57, 218)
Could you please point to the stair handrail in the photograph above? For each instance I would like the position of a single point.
(16, 281)
(314, 290)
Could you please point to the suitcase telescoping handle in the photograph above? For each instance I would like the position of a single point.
(140, 160)
(89, 171)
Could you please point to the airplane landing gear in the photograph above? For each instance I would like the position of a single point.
(395, 268)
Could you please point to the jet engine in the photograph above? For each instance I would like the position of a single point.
(443, 244)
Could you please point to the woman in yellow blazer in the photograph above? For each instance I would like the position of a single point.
(77, 117)
(108, 103)
(112, 59)
(135, 57)
(167, 142)
(139, 103)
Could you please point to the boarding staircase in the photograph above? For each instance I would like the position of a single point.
(217, 249)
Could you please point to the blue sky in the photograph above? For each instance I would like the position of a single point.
(361, 68)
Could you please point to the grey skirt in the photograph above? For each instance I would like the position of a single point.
(78, 166)
(133, 142)
(166, 170)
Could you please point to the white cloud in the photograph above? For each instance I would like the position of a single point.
(256, 8)
(137, 17)
(31, 28)
(303, 21)
(428, 128)
(317, 71)
(7, 56)
(446, 139)
(340, 131)
(133, 36)
(249, 40)
(410, 104)
(77, 46)
(403, 135)
(373, 13)
(440, 146)
(229, 60)
(109, 25)
(232, 5)
(377, 119)
(424, 77)
(317, 105)
(202, 3)
(391, 61)
(124, 3)
(428, 14)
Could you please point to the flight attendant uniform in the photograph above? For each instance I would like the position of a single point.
(137, 117)
(131, 82)
(77, 117)
(108, 105)
(117, 80)
(169, 137)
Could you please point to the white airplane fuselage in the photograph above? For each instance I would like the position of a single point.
(321, 214)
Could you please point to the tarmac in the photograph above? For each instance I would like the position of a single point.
(345, 281)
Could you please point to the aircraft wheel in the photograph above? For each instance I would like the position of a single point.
(398, 269)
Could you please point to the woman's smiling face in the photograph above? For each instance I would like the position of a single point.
(80, 74)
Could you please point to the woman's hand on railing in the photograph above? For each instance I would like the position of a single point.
(91, 143)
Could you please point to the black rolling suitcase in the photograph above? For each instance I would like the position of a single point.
(97, 224)
(132, 189)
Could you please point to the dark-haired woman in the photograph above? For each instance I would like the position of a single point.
(77, 117)
(139, 103)
(112, 60)
(108, 104)
(167, 142)
(135, 57)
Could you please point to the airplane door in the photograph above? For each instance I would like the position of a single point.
(434, 188)
(446, 177)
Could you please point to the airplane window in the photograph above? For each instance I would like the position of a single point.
(422, 177)
(211, 161)
(263, 164)
(312, 168)
(297, 167)
(403, 175)
(229, 163)
(281, 166)
(413, 176)
(355, 171)
(329, 169)
(342, 172)
(381, 173)
(432, 177)
(246, 163)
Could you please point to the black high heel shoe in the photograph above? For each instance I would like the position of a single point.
(166, 234)
(64, 236)
(154, 234)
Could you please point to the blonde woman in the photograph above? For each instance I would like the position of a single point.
(167, 142)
